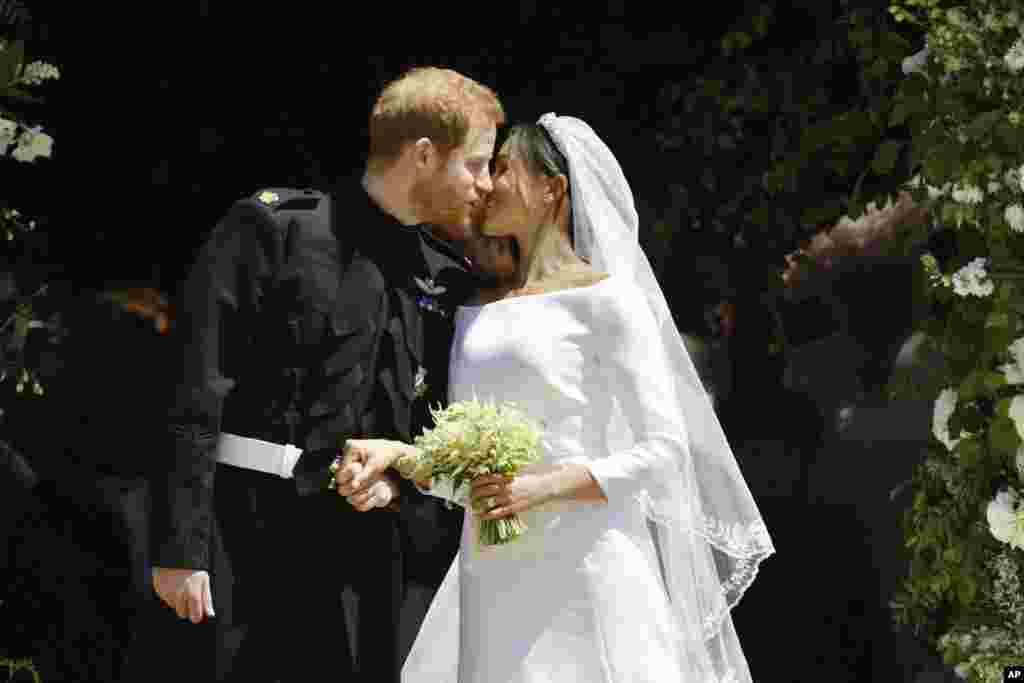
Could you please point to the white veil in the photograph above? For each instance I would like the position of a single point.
(707, 529)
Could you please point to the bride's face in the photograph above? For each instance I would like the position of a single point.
(516, 205)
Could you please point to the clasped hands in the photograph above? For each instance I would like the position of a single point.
(365, 465)
(363, 477)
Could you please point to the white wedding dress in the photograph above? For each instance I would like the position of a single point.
(579, 598)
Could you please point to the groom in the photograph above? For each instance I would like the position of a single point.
(295, 339)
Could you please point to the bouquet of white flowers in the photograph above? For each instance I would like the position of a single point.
(470, 439)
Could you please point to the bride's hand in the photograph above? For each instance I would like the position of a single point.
(532, 486)
(364, 463)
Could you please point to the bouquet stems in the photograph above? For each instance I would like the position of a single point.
(501, 531)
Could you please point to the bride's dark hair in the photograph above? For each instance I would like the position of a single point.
(538, 149)
(540, 154)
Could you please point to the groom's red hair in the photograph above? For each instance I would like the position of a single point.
(428, 102)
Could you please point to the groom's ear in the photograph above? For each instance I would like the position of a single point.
(424, 154)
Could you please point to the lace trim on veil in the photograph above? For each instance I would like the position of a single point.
(746, 544)
(749, 546)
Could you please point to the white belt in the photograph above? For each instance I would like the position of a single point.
(254, 454)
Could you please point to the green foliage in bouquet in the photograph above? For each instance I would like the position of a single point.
(473, 438)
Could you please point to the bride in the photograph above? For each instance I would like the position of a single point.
(642, 534)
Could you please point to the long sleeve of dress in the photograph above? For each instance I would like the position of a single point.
(636, 372)
(224, 279)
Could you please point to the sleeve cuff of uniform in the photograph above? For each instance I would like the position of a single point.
(172, 557)
(311, 471)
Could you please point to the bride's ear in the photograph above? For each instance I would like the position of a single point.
(558, 187)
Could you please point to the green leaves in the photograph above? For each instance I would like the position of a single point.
(981, 382)
(1002, 435)
(967, 589)
(969, 451)
(942, 162)
(1009, 137)
(736, 41)
(16, 666)
(886, 156)
(12, 59)
(983, 123)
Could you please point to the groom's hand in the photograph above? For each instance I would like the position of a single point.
(382, 494)
(186, 591)
(364, 462)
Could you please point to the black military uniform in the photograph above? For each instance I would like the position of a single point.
(296, 335)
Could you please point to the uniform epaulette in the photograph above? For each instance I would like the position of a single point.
(288, 198)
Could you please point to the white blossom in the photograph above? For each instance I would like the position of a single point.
(994, 187)
(1013, 372)
(32, 144)
(1016, 350)
(966, 193)
(1020, 463)
(1014, 215)
(37, 72)
(982, 650)
(915, 62)
(7, 129)
(1015, 57)
(1006, 588)
(973, 280)
(1005, 518)
(937, 192)
(1017, 414)
(945, 404)
(1011, 179)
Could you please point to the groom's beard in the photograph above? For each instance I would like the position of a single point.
(444, 207)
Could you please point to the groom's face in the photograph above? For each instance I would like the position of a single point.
(452, 196)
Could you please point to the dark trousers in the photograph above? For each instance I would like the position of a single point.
(280, 566)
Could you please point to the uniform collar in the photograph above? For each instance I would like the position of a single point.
(403, 251)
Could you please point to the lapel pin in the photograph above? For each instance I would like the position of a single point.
(427, 286)
(420, 382)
